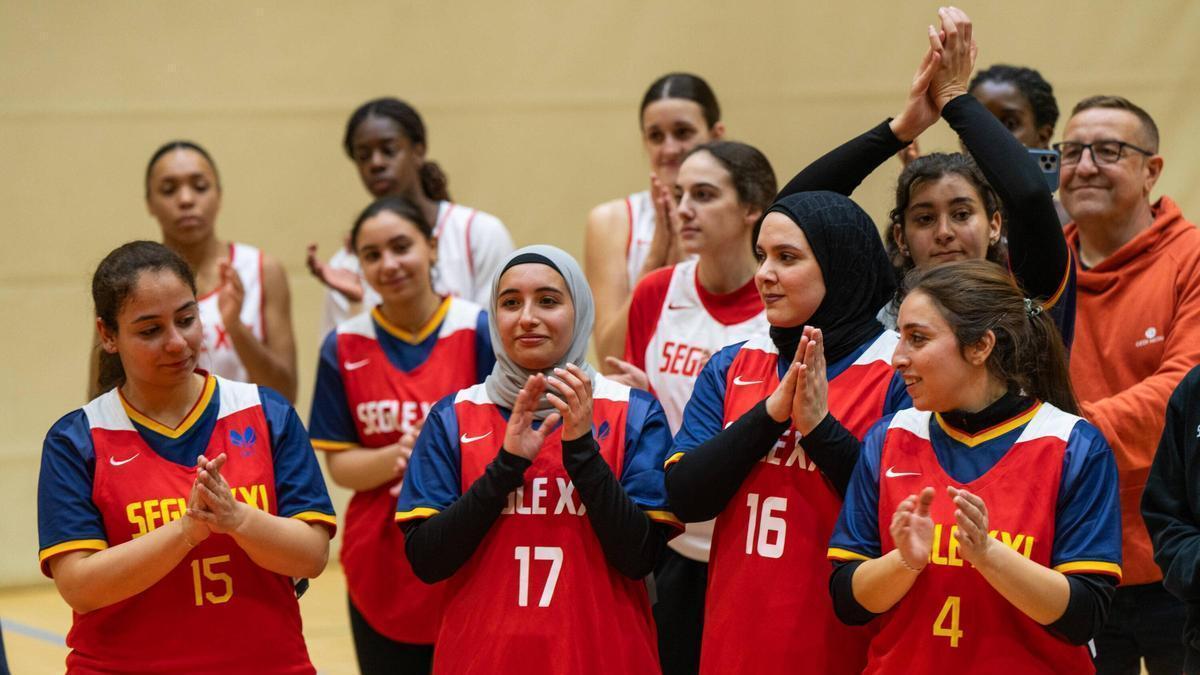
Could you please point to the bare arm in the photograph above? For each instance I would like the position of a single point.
(271, 363)
(90, 580)
(361, 469)
(605, 242)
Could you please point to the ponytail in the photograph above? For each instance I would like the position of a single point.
(434, 182)
(977, 296)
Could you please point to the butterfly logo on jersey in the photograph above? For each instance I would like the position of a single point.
(244, 440)
(603, 431)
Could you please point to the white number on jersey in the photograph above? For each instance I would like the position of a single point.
(772, 529)
(554, 555)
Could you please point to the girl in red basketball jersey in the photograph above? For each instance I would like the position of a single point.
(981, 530)
(545, 530)
(628, 238)
(175, 510)
(378, 375)
(244, 301)
(762, 420)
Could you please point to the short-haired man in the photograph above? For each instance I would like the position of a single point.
(1137, 333)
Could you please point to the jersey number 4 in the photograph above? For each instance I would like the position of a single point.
(946, 624)
(554, 555)
(770, 528)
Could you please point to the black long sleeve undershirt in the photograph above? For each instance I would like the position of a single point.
(1086, 612)
(1037, 250)
(438, 546)
(702, 483)
(631, 542)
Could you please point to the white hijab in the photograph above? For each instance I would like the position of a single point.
(507, 377)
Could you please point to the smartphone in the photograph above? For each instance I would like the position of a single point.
(1048, 162)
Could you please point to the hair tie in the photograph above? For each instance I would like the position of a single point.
(1031, 308)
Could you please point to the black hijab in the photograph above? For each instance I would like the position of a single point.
(858, 275)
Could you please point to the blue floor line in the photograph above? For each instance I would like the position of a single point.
(17, 628)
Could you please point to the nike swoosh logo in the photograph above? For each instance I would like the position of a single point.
(892, 473)
(674, 306)
(471, 439)
(114, 462)
(740, 382)
(355, 365)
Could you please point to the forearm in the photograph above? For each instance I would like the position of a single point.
(362, 469)
(701, 483)
(610, 332)
(438, 546)
(834, 450)
(1038, 591)
(880, 583)
(97, 580)
(630, 540)
(284, 546)
(263, 366)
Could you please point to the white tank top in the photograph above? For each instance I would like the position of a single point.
(640, 210)
(686, 335)
(218, 356)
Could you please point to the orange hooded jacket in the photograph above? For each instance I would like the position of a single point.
(1137, 333)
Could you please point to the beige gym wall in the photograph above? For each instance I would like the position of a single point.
(531, 110)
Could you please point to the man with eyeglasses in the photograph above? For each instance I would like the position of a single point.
(1137, 333)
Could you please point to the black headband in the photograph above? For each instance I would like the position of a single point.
(526, 258)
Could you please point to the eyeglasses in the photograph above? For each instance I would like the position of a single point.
(1103, 152)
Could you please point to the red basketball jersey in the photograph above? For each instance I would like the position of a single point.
(952, 619)
(217, 606)
(538, 595)
(768, 608)
(385, 403)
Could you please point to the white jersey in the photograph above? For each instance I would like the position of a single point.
(218, 355)
(640, 209)
(675, 326)
(472, 245)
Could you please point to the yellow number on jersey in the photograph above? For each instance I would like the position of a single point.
(940, 629)
(219, 577)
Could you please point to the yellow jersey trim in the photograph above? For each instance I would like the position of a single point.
(673, 458)
(1062, 286)
(332, 446)
(210, 386)
(419, 336)
(46, 554)
(667, 517)
(844, 554)
(1096, 566)
(419, 512)
(989, 433)
(316, 517)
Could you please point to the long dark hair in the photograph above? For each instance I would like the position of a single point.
(932, 167)
(434, 182)
(977, 296)
(115, 279)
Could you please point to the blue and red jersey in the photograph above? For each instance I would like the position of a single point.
(376, 381)
(538, 595)
(111, 474)
(1049, 481)
(767, 567)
